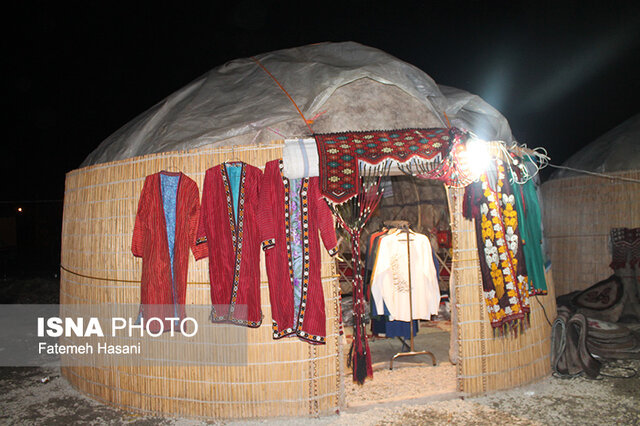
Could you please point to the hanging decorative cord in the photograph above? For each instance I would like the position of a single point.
(536, 157)
(353, 215)
(544, 311)
(539, 158)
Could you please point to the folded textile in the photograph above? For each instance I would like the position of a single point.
(300, 158)
(559, 362)
(580, 344)
(569, 353)
(605, 330)
(600, 296)
(612, 341)
(603, 300)
(577, 335)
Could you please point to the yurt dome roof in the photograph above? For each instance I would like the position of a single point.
(343, 86)
(615, 151)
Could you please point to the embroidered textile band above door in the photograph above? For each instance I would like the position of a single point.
(339, 154)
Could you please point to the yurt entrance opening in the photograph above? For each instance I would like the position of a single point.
(404, 367)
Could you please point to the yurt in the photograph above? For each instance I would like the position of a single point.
(253, 111)
(580, 209)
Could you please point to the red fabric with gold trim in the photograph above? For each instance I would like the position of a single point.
(233, 245)
(317, 221)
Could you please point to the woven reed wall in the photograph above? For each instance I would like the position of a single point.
(282, 378)
(578, 214)
(486, 363)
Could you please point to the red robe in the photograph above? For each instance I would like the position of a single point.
(159, 295)
(234, 245)
(310, 324)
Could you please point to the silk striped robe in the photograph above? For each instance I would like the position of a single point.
(233, 241)
(160, 295)
(275, 223)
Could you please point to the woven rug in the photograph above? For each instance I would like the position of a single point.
(612, 341)
(340, 153)
(600, 296)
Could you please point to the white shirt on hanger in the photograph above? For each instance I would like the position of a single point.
(390, 280)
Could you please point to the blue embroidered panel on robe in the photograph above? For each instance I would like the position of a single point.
(169, 187)
(295, 208)
(234, 171)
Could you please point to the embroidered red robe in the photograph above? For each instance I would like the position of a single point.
(161, 296)
(234, 245)
(310, 323)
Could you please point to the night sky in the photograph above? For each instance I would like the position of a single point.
(562, 74)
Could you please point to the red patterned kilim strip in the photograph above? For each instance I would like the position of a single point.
(625, 243)
(339, 154)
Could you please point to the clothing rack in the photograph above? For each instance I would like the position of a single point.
(404, 227)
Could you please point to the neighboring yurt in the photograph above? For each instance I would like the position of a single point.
(580, 209)
(239, 111)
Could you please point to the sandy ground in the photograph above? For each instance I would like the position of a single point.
(412, 377)
(579, 401)
(413, 393)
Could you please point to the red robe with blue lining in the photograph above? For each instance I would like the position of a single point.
(150, 243)
(234, 245)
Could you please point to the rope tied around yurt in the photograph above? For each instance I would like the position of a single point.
(446, 117)
(306, 122)
(119, 280)
(602, 175)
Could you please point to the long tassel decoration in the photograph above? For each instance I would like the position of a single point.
(358, 212)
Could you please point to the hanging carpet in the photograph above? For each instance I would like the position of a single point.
(625, 247)
(340, 153)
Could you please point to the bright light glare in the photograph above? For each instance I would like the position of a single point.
(20, 209)
(477, 156)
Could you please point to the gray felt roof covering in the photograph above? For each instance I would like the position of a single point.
(357, 87)
(615, 151)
